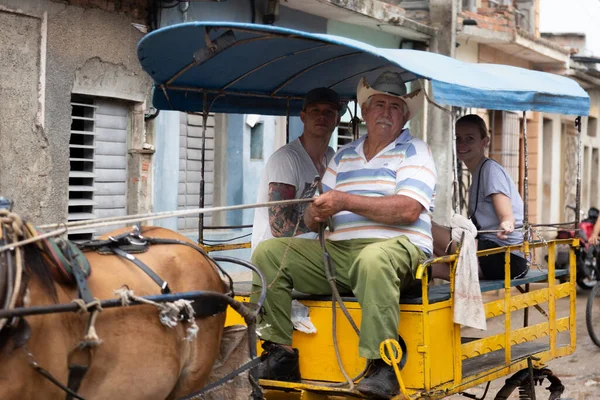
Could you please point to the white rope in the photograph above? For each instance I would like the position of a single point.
(104, 222)
(90, 338)
(14, 229)
(63, 228)
(32, 239)
(169, 313)
(522, 229)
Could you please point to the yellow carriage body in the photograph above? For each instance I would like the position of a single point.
(440, 362)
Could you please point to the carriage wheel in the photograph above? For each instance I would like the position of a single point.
(592, 314)
(521, 381)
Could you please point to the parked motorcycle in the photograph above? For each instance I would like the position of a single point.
(588, 256)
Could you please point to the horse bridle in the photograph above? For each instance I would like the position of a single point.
(80, 357)
(15, 278)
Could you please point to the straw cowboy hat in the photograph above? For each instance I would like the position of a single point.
(391, 84)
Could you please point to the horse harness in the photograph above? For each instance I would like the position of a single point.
(72, 265)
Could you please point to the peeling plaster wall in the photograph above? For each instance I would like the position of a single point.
(97, 77)
(87, 51)
(25, 159)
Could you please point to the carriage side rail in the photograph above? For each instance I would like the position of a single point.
(511, 334)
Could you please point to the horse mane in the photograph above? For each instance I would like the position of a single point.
(34, 266)
(37, 266)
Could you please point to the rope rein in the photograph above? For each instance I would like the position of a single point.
(61, 229)
(90, 339)
(12, 226)
(168, 313)
(109, 221)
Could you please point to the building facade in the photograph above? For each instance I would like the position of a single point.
(80, 140)
(73, 97)
(508, 32)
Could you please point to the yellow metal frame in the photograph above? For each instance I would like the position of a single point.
(435, 352)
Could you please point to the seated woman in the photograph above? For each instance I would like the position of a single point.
(494, 204)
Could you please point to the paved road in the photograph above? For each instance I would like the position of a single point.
(580, 372)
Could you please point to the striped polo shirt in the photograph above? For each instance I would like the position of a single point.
(405, 167)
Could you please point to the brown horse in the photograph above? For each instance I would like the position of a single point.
(138, 358)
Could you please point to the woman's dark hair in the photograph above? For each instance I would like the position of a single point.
(474, 119)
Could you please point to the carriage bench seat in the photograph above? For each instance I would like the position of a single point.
(437, 293)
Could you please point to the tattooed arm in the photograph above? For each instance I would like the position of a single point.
(283, 219)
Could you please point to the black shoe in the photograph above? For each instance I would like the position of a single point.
(379, 382)
(278, 364)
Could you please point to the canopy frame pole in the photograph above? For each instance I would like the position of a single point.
(526, 225)
(305, 70)
(355, 122)
(214, 50)
(455, 194)
(578, 187)
(203, 152)
(355, 75)
(493, 133)
(267, 63)
(220, 92)
(287, 121)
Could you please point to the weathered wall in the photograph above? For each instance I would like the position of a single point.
(439, 124)
(86, 50)
(135, 8)
(467, 51)
(491, 55)
(25, 160)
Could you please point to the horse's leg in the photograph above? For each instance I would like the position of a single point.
(138, 358)
(201, 354)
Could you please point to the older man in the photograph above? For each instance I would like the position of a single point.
(379, 191)
(291, 169)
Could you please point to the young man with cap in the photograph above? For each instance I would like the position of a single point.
(379, 191)
(290, 171)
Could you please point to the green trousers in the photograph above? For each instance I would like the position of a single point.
(375, 270)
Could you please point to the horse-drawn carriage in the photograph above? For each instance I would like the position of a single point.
(242, 68)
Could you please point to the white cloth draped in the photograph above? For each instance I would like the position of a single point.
(468, 303)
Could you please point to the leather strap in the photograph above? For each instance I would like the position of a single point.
(49, 376)
(76, 374)
(472, 217)
(164, 286)
(80, 278)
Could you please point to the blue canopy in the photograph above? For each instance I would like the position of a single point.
(258, 69)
